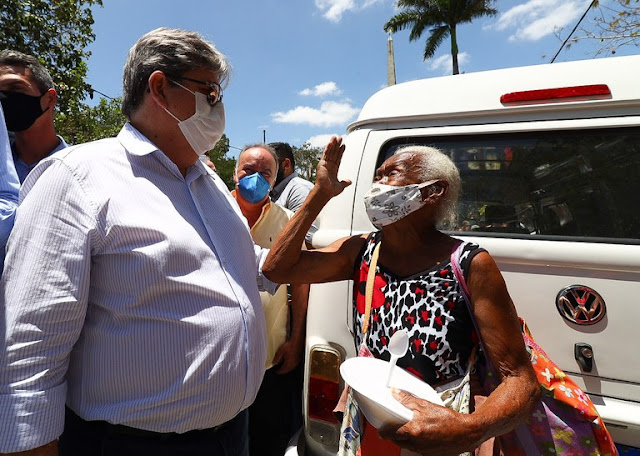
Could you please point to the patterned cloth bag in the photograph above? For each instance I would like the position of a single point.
(565, 422)
(352, 420)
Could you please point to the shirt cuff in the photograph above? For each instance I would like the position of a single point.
(264, 284)
(31, 419)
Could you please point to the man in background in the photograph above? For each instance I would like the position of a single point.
(290, 190)
(272, 419)
(30, 99)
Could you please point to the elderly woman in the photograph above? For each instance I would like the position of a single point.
(415, 289)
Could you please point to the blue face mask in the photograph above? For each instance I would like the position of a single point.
(254, 187)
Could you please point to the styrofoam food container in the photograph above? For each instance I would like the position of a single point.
(367, 377)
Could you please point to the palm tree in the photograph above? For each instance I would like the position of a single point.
(442, 16)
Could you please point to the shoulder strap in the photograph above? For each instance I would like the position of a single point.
(457, 271)
(371, 276)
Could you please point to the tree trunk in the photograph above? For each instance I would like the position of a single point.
(454, 49)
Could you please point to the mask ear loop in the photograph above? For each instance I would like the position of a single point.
(180, 85)
(169, 112)
(185, 88)
(55, 98)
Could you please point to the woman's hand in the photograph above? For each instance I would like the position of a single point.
(327, 182)
(434, 430)
(286, 262)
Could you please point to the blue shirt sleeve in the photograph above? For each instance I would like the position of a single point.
(9, 188)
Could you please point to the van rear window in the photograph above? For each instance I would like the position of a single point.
(581, 184)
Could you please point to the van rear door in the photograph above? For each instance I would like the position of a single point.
(557, 207)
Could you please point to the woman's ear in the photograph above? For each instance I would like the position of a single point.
(435, 190)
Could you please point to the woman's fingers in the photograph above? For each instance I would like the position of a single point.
(334, 150)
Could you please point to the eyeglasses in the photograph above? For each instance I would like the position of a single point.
(215, 91)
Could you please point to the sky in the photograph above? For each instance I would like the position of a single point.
(303, 69)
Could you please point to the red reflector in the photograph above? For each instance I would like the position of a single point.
(587, 92)
(323, 397)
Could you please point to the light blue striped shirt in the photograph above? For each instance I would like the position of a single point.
(131, 292)
(9, 187)
(23, 169)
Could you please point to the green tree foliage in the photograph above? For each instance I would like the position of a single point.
(307, 158)
(225, 166)
(441, 17)
(90, 123)
(57, 32)
(616, 24)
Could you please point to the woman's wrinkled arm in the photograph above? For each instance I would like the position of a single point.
(518, 392)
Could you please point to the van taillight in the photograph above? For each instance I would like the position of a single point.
(323, 397)
(324, 383)
(576, 93)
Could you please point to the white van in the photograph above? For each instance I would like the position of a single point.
(550, 163)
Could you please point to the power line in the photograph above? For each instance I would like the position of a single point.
(92, 90)
(574, 29)
(103, 94)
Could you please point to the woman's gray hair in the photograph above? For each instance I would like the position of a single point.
(433, 164)
(172, 51)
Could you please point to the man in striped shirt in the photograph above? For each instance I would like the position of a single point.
(131, 306)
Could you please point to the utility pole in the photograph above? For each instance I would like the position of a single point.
(391, 63)
(264, 136)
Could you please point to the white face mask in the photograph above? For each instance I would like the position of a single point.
(205, 127)
(387, 204)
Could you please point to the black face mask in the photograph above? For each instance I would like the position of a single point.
(21, 110)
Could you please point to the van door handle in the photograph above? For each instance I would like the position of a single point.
(584, 355)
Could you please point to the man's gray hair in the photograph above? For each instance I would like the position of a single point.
(433, 164)
(264, 146)
(172, 51)
(39, 73)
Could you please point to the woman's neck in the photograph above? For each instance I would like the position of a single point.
(407, 250)
(404, 238)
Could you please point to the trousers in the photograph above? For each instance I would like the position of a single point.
(276, 413)
(100, 438)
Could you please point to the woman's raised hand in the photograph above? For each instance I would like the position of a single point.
(327, 181)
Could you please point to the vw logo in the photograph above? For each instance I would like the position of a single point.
(581, 305)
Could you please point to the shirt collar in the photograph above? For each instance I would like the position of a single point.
(138, 144)
(265, 208)
(135, 142)
(62, 145)
(12, 143)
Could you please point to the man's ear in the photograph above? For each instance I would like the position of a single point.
(286, 164)
(157, 88)
(50, 98)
